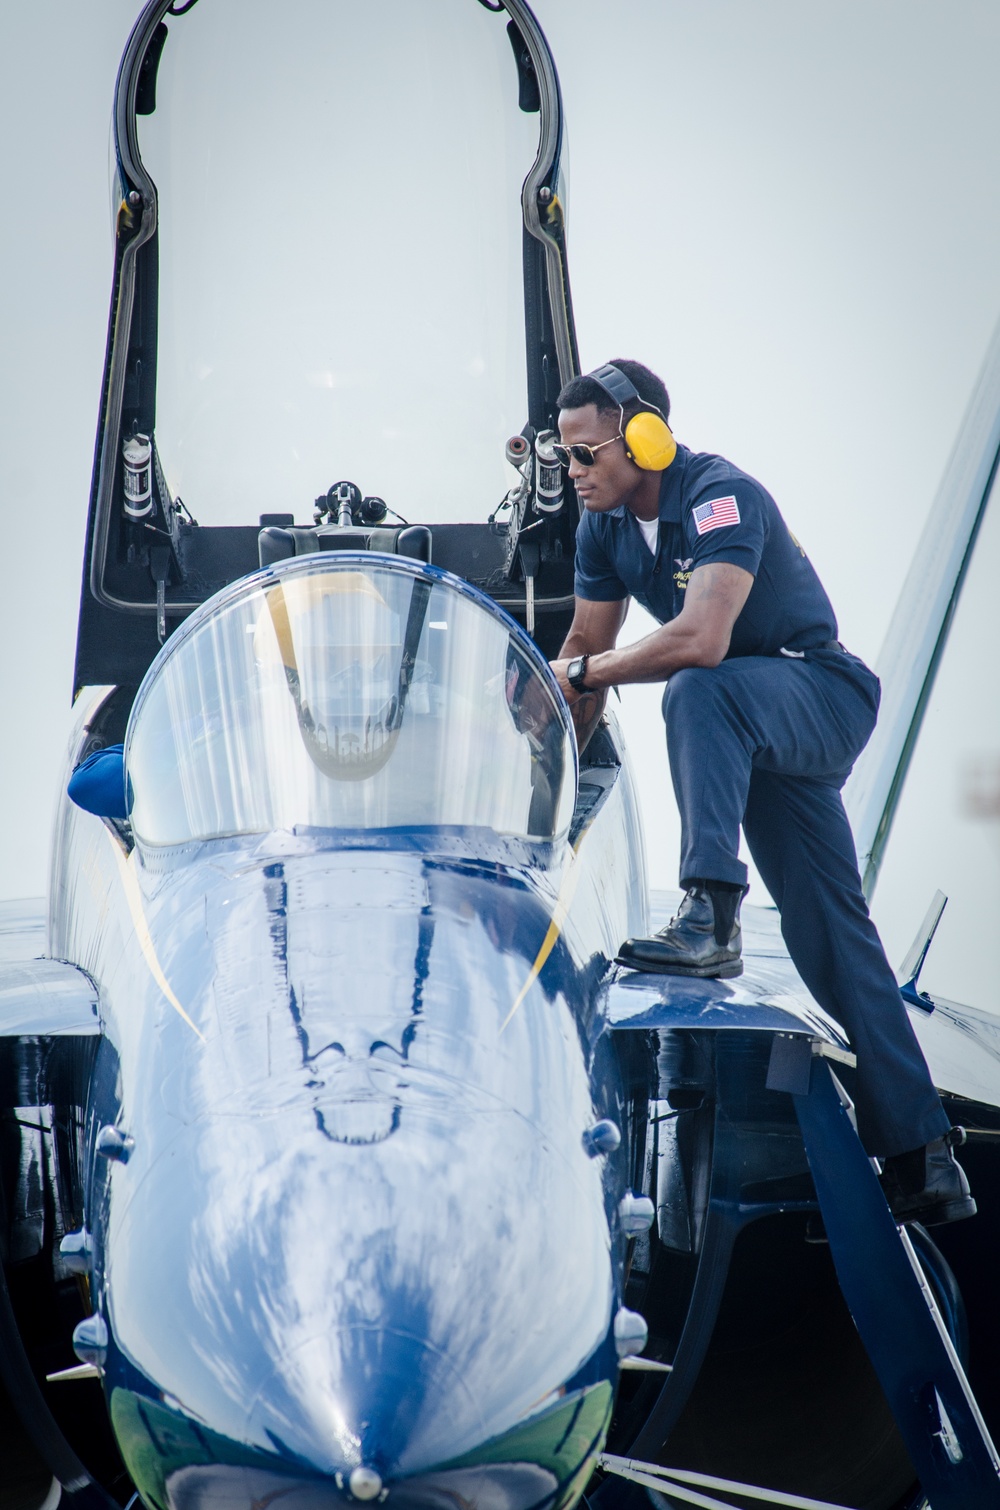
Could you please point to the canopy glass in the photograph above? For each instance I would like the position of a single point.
(349, 693)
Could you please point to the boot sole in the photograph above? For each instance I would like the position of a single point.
(943, 1211)
(724, 971)
(946, 1211)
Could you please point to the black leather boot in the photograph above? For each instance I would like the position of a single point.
(703, 939)
(928, 1185)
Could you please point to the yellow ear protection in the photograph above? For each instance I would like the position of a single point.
(648, 438)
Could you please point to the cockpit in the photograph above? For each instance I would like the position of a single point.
(350, 692)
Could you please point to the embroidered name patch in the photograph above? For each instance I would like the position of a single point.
(714, 514)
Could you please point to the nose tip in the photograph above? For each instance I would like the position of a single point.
(365, 1483)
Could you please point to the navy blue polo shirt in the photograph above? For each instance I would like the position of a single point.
(709, 511)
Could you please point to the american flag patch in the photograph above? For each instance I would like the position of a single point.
(714, 514)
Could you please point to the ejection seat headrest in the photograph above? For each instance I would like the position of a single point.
(274, 544)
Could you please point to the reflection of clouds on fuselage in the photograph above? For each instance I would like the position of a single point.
(337, 996)
(515, 930)
(333, 1012)
(344, 976)
(357, 1078)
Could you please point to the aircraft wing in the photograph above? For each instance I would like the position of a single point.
(38, 996)
(961, 1044)
(45, 998)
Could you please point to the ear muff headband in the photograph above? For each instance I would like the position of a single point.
(648, 438)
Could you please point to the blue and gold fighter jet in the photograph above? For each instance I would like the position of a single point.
(339, 1163)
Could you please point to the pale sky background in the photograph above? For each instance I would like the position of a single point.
(789, 210)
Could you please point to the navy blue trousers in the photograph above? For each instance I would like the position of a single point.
(769, 742)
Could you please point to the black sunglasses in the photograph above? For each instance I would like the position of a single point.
(585, 455)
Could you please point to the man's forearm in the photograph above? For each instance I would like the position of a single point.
(658, 656)
(698, 636)
(575, 643)
(652, 659)
(586, 711)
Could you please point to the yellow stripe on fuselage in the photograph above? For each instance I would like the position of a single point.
(133, 896)
(563, 900)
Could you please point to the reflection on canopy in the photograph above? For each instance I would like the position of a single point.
(345, 693)
(354, 660)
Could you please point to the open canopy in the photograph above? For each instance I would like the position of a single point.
(339, 254)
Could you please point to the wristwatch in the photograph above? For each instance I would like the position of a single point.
(576, 673)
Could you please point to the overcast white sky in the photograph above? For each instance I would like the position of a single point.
(791, 211)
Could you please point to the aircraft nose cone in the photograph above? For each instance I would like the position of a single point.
(365, 1483)
(366, 1401)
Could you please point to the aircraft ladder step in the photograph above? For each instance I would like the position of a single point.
(887, 1293)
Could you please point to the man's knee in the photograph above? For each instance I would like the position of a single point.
(688, 691)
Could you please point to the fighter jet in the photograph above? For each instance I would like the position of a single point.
(341, 1164)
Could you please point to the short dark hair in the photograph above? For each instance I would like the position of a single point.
(584, 390)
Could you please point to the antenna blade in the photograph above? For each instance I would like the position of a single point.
(912, 965)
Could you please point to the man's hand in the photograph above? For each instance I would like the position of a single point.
(585, 707)
(595, 627)
(560, 668)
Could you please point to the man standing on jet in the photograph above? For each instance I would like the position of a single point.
(765, 715)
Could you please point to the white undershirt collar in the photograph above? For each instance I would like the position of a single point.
(650, 532)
